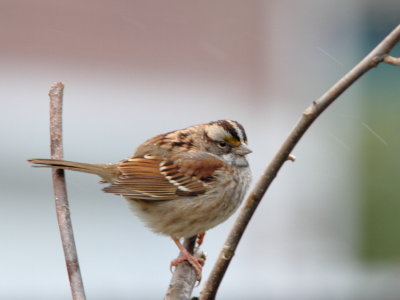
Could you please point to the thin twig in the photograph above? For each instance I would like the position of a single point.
(60, 193)
(184, 277)
(392, 60)
(376, 56)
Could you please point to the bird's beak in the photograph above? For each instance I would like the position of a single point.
(242, 150)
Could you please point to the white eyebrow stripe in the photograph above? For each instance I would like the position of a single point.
(216, 132)
(238, 130)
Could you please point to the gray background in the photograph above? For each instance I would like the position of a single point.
(134, 69)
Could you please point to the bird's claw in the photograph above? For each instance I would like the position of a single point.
(196, 262)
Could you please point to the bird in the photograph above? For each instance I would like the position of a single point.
(180, 183)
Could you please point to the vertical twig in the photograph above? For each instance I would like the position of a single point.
(184, 277)
(376, 56)
(60, 193)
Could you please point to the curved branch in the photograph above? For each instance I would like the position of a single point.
(60, 193)
(376, 56)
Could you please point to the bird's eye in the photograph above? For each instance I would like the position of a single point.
(222, 144)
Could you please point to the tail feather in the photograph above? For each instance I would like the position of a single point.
(108, 172)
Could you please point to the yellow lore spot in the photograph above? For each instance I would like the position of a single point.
(231, 140)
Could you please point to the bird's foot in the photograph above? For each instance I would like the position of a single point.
(196, 262)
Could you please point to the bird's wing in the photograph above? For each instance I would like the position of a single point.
(153, 178)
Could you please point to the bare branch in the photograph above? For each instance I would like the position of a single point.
(60, 193)
(184, 277)
(376, 56)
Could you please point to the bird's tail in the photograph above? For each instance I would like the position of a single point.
(108, 172)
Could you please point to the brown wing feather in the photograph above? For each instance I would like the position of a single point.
(151, 178)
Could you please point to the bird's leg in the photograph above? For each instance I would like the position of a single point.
(197, 263)
(200, 238)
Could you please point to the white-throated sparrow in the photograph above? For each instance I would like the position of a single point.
(180, 183)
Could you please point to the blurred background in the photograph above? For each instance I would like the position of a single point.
(328, 228)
